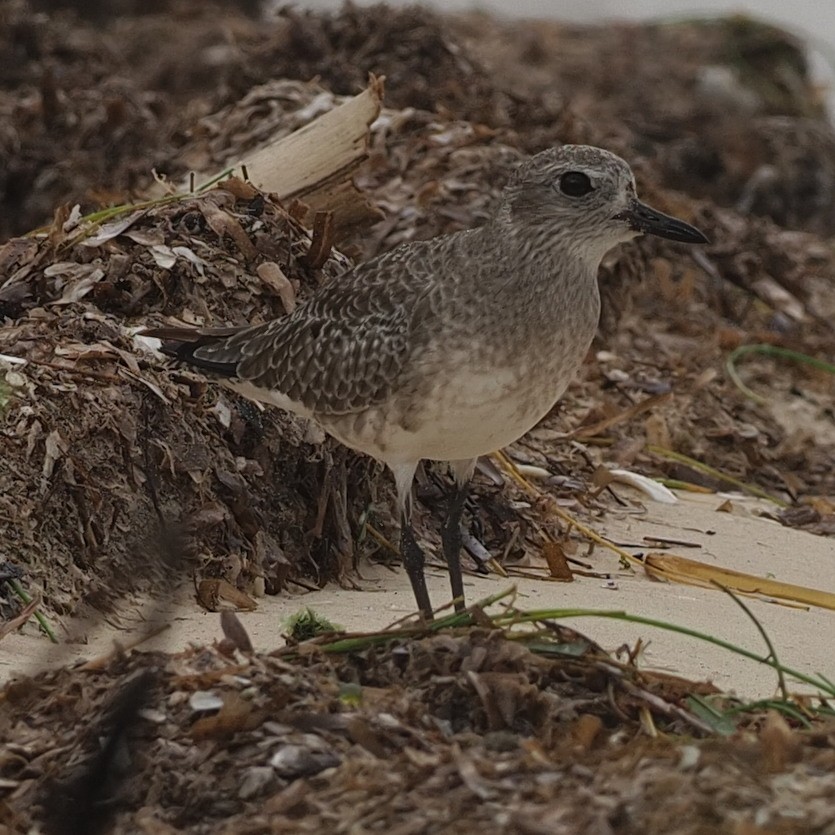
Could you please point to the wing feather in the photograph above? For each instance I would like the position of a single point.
(341, 352)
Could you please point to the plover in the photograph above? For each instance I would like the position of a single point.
(450, 348)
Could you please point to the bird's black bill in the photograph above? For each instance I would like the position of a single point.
(642, 218)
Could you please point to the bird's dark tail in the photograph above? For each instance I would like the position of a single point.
(205, 348)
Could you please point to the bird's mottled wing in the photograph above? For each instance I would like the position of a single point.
(344, 349)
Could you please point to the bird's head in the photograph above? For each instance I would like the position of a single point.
(586, 197)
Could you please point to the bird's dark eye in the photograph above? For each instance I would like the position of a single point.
(575, 184)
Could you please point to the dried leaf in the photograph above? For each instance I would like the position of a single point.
(321, 241)
(781, 299)
(222, 224)
(234, 630)
(557, 561)
(620, 417)
(76, 279)
(692, 572)
(108, 231)
(199, 263)
(215, 594)
(238, 188)
(781, 746)
(649, 486)
(54, 448)
(163, 256)
(236, 715)
(273, 276)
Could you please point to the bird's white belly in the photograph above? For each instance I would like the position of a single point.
(479, 414)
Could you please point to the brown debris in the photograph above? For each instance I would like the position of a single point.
(212, 475)
(471, 728)
(232, 256)
(120, 472)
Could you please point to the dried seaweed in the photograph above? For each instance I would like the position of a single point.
(437, 732)
(120, 473)
(104, 446)
(240, 484)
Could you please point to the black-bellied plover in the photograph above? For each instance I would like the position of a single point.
(450, 348)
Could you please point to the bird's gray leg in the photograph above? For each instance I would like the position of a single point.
(413, 560)
(410, 551)
(451, 530)
(451, 538)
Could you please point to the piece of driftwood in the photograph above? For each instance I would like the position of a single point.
(315, 164)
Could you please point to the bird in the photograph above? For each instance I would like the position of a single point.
(450, 348)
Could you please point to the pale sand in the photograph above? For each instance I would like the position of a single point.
(803, 639)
